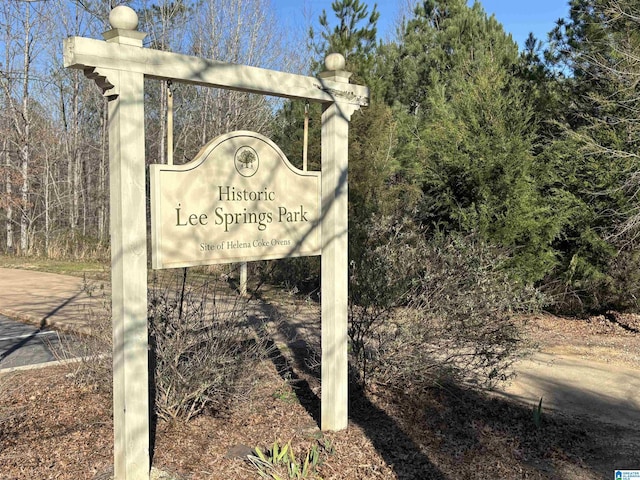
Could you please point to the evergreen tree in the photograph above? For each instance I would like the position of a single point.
(353, 36)
(597, 155)
(467, 133)
(546, 89)
(372, 134)
(441, 41)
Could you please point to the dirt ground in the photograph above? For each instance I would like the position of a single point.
(54, 427)
(584, 368)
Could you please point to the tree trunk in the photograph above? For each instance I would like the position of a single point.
(102, 176)
(9, 192)
(24, 149)
(47, 219)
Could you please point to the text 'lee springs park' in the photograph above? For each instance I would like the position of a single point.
(261, 219)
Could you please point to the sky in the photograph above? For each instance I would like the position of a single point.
(519, 17)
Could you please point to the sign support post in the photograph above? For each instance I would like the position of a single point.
(335, 249)
(243, 279)
(128, 266)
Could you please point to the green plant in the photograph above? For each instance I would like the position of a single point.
(285, 392)
(537, 414)
(280, 462)
(327, 445)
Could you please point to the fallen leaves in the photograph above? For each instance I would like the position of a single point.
(52, 428)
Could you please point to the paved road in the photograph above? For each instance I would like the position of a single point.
(22, 344)
(34, 308)
(47, 299)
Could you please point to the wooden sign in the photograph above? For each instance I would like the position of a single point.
(239, 199)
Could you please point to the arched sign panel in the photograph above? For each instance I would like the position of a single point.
(239, 199)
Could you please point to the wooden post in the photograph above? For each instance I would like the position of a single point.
(128, 260)
(243, 279)
(334, 281)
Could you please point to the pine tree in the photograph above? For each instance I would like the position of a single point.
(596, 157)
(372, 134)
(354, 36)
(466, 134)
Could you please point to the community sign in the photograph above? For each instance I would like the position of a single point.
(239, 199)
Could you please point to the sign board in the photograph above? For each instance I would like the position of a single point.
(239, 199)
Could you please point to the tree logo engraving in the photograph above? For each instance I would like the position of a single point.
(246, 161)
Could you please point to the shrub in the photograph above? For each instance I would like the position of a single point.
(93, 349)
(589, 288)
(425, 308)
(301, 274)
(203, 346)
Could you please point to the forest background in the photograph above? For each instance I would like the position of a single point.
(528, 158)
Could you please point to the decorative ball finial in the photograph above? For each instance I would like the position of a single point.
(124, 18)
(334, 61)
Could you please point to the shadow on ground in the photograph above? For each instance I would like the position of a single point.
(394, 445)
(452, 431)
